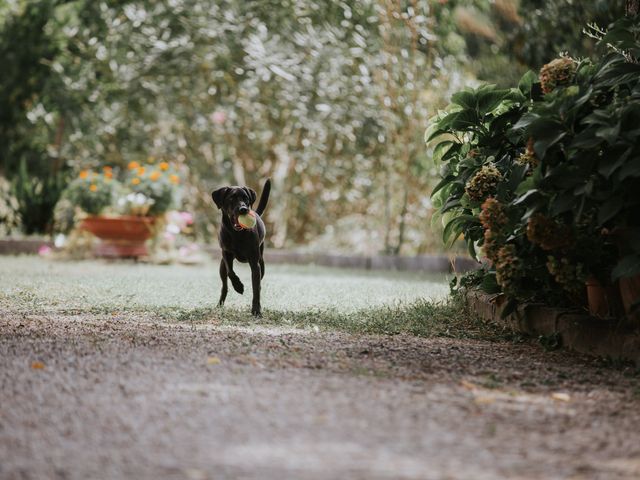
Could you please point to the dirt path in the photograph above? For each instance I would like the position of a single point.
(118, 398)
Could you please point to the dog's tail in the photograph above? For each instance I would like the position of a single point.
(264, 197)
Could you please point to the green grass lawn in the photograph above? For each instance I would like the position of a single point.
(296, 296)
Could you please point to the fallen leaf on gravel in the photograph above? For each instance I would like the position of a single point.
(37, 365)
(195, 474)
(484, 400)
(468, 385)
(561, 397)
(213, 361)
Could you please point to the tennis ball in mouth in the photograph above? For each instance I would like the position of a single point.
(248, 220)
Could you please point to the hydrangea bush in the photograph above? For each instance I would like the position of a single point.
(542, 180)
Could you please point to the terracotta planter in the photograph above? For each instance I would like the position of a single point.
(630, 293)
(604, 300)
(120, 237)
(625, 239)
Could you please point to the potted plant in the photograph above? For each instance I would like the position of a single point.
(124, 215)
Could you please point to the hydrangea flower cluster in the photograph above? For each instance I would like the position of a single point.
(556, 73)
(528, 157)
(484, 182)
(494, 219)
(508, 269)
(547, 233)
(571, 277)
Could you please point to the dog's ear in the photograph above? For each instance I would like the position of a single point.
(219, 196)
(252, 194)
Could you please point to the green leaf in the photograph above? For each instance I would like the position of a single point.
(455, 227)
(442, 183)
(509, 308)
(465, 98)
(543, 144)
(489, 284)
(450, 204)
(526, 120)
(610, 209)
(526, 83)
(563, 202)
(627, 267)
(441, 149)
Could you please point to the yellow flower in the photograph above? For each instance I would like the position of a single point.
(93, 188)
(164, 166)
(84, 174)
(140, 171)
(155, 175)
(175, 179)
(151, 159)
(133, 165)
(135, 181)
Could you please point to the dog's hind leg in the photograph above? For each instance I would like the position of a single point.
(223, 277)
(227, 258)
(262, 261)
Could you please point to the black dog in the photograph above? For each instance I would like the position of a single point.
(244, 245)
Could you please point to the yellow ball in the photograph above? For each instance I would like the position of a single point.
(248, 220)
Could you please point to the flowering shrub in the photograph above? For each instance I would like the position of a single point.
(542, 180)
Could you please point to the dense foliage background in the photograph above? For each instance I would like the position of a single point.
(329, 99)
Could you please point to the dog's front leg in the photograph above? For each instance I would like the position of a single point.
(227, 257)
(223, 277)
(256, 276)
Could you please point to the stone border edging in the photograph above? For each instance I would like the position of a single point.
(14, 246)
(578, 331)
(418, 263)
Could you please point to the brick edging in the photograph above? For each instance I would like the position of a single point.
(578, 331)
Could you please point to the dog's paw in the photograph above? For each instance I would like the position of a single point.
(238, 286)
(256, 312)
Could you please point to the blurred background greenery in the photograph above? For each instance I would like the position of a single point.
(328, 98)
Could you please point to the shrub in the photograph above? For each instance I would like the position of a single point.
(542, 180)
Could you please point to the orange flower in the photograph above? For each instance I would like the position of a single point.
(107, 169)
(84, 174)
(164, 166)
(135, 181)
(108, 175)
(155, 175)
(133, 165)
(175, 179)
(140, 171)
(93, 188)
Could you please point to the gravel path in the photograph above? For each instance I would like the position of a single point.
(113, 397)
